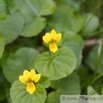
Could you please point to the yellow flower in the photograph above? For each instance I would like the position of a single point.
(52, 38)
(30, 77)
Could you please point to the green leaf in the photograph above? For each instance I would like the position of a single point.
(11, 27)
(91, 91)
(63, 19)
(11, 3)
(44, 81)
(20, 95)
(74, 4)
(31, 8)
(75, 43)
(16, 63)
(1, 45)
(83, 73)
(4, 12)
(92, 59)
(60, 65)
(34, 28)
(69, 85)
(91, 24)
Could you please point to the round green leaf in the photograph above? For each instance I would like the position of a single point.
(63, 19)
(4, 12)
(60, 65)
(16, 63)
(75, 43)
(11, 27)
(44, 81)
(31, 8)
(92, 59)
(74, 4)
(69, 85)
(1, 45)
(34, 28)
(90, 26)
(20, 95)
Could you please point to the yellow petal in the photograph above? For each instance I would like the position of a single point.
(58, 37)
(26, 73)
(46, 39)
(53, 47)
(36, 78)
(47, 34)
(32, 73)
(23, 79)
(30, 87)
(53, 33)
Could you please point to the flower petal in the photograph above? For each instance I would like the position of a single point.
(32, 73)
(57, 37)
(46, 39)
(53, 33)
(26, 73)
(36, 78)
(30, 87)
(47, 35)
(53, 47)
(23, 79)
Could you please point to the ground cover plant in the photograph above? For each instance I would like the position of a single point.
(50, 48)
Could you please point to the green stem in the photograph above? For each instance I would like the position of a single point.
(98, 57)
(32, 8)
(96, 90)
(96, 78)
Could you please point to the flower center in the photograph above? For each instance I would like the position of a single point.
(30, 85)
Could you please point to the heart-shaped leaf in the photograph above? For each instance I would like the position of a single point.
(34, 28)
(16, 63)
(67, 20)
(20, 95)
(75, 43)
(11, 27)
(69, 85)
(32, 8)
(58, 65)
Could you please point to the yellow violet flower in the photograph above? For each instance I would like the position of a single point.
(52, 38)
(30, 77)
